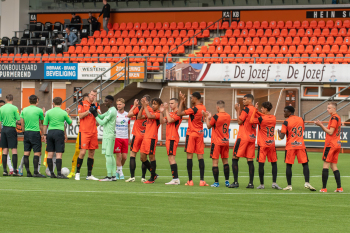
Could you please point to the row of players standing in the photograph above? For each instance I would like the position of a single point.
(145, 135)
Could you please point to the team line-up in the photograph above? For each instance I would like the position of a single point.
(49, 127)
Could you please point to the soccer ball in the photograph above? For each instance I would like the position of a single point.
(65, 171)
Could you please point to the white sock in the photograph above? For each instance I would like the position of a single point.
(9, 162)
(22, 162)
(120, 170)
(39, 164)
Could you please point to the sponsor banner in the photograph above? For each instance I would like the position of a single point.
(136, 71)
(314, 136)
(21, 71)
(299, 73)
(89, 71)
(233, 130)
(61, 71)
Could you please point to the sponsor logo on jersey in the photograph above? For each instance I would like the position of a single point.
(269, 142)
(252, 136)
(295, 143)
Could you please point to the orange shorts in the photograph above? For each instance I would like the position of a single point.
(217, 150)
(195, 145)
(244, 149)
(300, 153)
(88, 141)
(330, 155)
(136, 144)
(148, 146)
(171, 147)
(269, 152)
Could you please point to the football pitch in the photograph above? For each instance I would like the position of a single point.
(53, 205)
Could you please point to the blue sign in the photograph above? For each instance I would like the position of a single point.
(61, 71)
(0, 92)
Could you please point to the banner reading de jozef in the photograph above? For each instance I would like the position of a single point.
(322, 73)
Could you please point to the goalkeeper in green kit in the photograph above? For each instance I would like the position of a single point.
(107, 120)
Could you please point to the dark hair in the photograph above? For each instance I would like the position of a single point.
(148, 98)
(220, 104)
(33, 99)
(90, 12)
(9, 97)
(197, 95)
(67, 28)
(1, 101)
(109, 97)
(334, 104)
(73, 13)
(57, 100)
(249, 96)
(290, 108)
(157, 100)
(267, 105)
(176, 99)
(85, 95)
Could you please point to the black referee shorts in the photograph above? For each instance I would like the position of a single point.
(9, 137)
(32, 140)
(55, 141)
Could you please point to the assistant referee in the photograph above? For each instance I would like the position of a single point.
(9, 116)
(55, 138)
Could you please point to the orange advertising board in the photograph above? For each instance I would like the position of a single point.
(136, 71)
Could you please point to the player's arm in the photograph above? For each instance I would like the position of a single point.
(18, 119)
(162, 119)
(240, 118)
(131, 112)
(181, 111)
(46, 122)
(65, 134)
(106, 119)
(129, 130)
(254, 120)
(329, 131)
(282, 133)
(208, 119)
(81, 113)
(139, 114)
(148, 114)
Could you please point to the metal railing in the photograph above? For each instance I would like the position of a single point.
(329, 99)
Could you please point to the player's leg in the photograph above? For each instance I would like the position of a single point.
(152, 157)
(59, 146)
(272, 158)
(250, 153)
(84, 141)
(132, 166)
(226, 170)
(108, 156)
(50, 164)
(289, 160)
(50, 148)
(90, 165)
(28, 145)
(199, 150)
(325, 174)
(337, 177)
(190, 149)
(215, 170)
(171, 147)
(12, 143)
(124, 157)
(75, 157)
(239, 146)
(36, 161)
(20, 167)
(303, 159)
(119, 164)
(80, 161)
(261, 158)
(4, 146)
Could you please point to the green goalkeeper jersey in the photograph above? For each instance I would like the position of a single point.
(107, 120)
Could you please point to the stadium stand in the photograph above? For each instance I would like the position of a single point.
(241, 42)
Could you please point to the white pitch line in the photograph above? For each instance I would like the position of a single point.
(208, 193)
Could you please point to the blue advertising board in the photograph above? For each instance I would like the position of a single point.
(61, 71)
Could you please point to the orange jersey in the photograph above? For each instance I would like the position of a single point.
(152, 126)
(247, 131)
(293, 128)
(139, 125)
(172, 129)
(220, 123)
(195, 123)
(88, 123)
(267, 124)
(334, 139)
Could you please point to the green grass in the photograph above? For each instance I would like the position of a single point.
(52, 205)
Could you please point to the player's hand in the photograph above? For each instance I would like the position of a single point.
(143, 102)
(208, 114)
(106, 19)
(44, 138)
(318, 123)
(65, 138)
(237, 107)
(93, 111)
(182, 96)
(205, 114)
(256, 105)
(279, 132)
(136, 102)
(98, 17)
(43, 108)
(165, 105)
(68, 110)
(161, 108)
